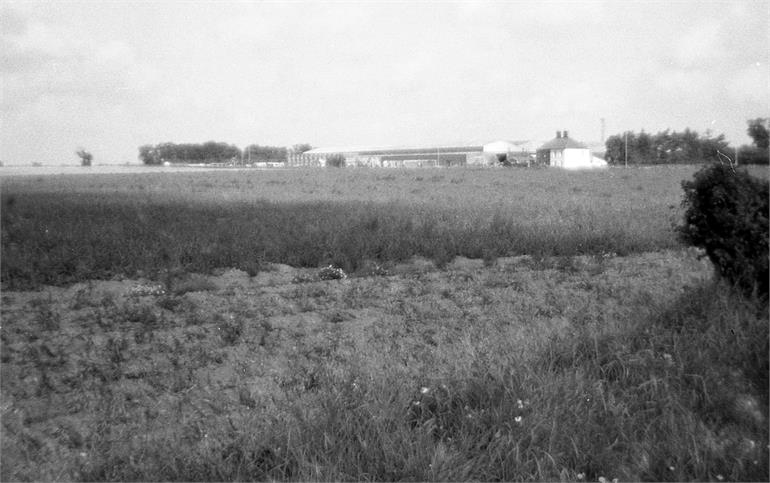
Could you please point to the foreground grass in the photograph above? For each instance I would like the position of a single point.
(569, 368)
(59, 231)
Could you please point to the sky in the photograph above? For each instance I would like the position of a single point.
(112, 76)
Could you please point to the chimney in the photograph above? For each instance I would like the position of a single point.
(558, 134)
(565, 134)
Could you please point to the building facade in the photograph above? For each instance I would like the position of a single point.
(565, 152)
(421, 156)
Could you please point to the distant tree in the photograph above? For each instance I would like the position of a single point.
(643, 149)
(758, 130)
(149, 155)
(665, 147)
(758, 152)
(615, 149)
(208, 152)
(85, 157)
(273, 154)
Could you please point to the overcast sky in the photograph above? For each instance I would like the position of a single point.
(111, 76)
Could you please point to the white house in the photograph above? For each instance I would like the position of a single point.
(565, 152)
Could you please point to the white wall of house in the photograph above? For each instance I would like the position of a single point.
(575, 158)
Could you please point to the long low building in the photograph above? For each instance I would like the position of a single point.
(514, 152)
(560, 152)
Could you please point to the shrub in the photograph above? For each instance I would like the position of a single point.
(335, 161)
(727, 215)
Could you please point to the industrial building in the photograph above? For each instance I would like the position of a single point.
(514, 152)
(562, 152)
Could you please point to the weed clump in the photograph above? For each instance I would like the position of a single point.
(331, 273)
(727, 215)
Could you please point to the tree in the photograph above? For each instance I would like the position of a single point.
(758, 131)
(642, 148)
(85, 157)
(149, 155)
(665, 147)
(257, 153)
(615, 149)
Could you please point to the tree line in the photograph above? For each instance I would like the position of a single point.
(215, 152)
(687, 147)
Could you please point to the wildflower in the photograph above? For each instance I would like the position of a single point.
(424, 390)
(415, 403)
(603, 480)
(720, 477)
(517, 419)
(670, 468)
(580, 476)
(519, 404)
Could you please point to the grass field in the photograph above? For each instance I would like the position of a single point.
(69, 229)
(497, 325)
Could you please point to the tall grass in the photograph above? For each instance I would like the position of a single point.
(677, 396)
(58, 232)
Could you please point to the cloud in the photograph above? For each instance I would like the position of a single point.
(701, 44)
(41, 60)
(751, 85)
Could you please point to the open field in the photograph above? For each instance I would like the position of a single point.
(75, 228)
(497, 325)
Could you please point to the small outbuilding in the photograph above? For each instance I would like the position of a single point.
(565, 152)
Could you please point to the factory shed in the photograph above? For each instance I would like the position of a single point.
(446, 155)
(394, 157)
(565, 152)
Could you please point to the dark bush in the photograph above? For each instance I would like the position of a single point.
(727, 215)
(335, 161)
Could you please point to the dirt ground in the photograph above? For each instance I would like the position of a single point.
(126, 361)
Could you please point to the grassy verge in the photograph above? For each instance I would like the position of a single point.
(679, 397)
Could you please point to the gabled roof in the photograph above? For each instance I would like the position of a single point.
(562, 143)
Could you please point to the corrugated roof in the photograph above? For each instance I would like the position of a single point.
(457, 147)
(375, 150)
(562, 143)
